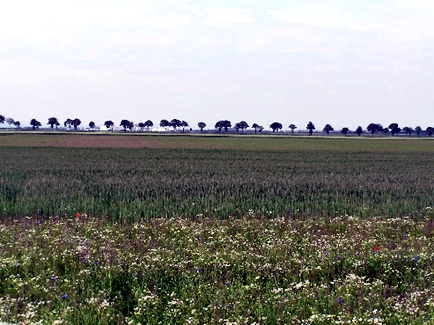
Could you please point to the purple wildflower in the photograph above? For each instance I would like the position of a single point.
(64, 295)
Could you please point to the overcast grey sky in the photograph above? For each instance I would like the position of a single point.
(346, 63)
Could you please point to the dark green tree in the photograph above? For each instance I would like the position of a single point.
(292, 127)
(141, 126)
(276, 126)
(75, 123)
(418, 129)
(241, 126)
(175, 123)
(184, 125)
(374, 128)
(429, 130)
(92, 125)
(394, 129)
(201, 126)
(223, 124)
(310, 127)
(125, 124)
(359, 130)
(67, 123)
(109, 125)
(149, 124)
(327, 129)
(52, 121)
(165, 123)
(257, 127)
(10, 120)
(408, 130)
(2, 119)
(345, 131)
(17, 124)
(35, 124)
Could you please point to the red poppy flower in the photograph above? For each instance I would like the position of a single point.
(78, 215)
(376, 248)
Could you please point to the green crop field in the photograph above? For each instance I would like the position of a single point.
(152, 229)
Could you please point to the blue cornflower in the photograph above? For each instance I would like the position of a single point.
(340, 301)
(326, 253)
(416, 259)
(16, 264)
(54, 279)
(338, 256)
(64, 295)
(199, 270)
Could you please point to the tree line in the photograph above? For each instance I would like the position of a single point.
(224, 126)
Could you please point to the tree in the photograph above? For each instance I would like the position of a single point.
(184, 125)
(345, 131)
(201, 126)
(394, 129)
(92, 125)
(359, 130)
(223, 124)
(10, 120)
(35, 124)
(141, 126)
(257, 127)
(149, 124)
(17, 124)
(418, 129)
(292, 127)
(75, 123)
(109, 125)
(276, 126)
(374, 127)
(310, 126)
(408, 130)
(67, 123)
(164, 123)
(429, 130)
(175, 123)
(241, 125)
(52, 121)
(328, 128)
(125, 124)
(2, 119)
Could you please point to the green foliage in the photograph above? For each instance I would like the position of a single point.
(86, 270)
(132, 183)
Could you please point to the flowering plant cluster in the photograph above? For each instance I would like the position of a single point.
(250, 270)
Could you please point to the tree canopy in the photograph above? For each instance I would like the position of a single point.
(310, 127)
(52, 121)
(276, 126)
(328, 128)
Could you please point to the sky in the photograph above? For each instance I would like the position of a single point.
(346, 63)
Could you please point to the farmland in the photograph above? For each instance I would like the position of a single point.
(215, 230)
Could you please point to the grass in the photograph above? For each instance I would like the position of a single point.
(215, 230)
(216, 141)
(85, 270)
(149, 183)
